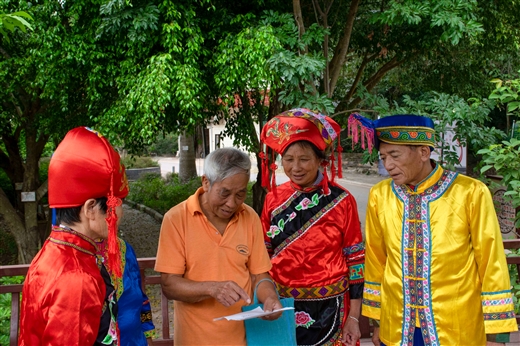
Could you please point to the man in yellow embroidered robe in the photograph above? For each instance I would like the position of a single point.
(435, 270)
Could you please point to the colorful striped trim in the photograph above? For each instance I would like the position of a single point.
(71, 231)
(496, 302)
(318, 119)
(320, 292)
(497, 316)
(416, 260)
(353, 249)
(372, 303)
(285, 205)
(371, 291)
(373, 283)
(508, 292)
(416, 135)
(66, 243)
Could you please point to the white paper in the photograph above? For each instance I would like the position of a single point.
(246, 315)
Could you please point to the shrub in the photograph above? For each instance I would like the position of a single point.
(515, 281)
(5, 308)
(161, 194)
(131, 161)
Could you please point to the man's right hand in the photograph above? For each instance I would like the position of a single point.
(228, 293)
(375, 337)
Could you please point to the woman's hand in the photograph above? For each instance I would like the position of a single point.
(351, 332)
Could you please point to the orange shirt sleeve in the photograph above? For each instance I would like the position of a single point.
(171, 252)
(259, 261)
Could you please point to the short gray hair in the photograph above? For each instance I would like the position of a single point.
(224, 163)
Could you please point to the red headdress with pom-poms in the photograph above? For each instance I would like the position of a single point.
(294, 125)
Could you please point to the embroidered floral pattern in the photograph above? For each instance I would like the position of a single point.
(371, 291)
(307, 203)
(282, 133)
(111, 337)
(273, 231)
(303, 319)
(495, 302)
(309, 223)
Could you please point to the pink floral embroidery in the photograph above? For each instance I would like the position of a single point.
(292, 216)
(273, 231)
(303, 319)
(305, 203)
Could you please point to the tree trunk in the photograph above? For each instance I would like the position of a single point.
(27, 242)
(187, 166)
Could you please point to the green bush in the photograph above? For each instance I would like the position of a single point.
(5, 308)
(161, 194)
(515, 281)
(131, 161)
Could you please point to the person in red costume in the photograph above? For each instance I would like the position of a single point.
(312, 229)
(68, 297)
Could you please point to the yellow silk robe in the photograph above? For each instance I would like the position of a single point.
(435, 259)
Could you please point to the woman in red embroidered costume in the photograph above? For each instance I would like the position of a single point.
(312, 229)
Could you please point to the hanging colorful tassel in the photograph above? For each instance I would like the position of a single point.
(356, 123)
(265, 170)
(340, 161)
(114, 255)
(325, 181)
(332, 166)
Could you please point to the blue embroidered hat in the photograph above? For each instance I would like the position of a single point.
(403, 129)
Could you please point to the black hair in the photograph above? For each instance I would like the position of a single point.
(71, 216)
(306, 144)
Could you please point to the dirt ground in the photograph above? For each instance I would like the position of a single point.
(142, 232)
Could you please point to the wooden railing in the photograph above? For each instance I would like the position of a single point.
(165, 339)
(154, 279)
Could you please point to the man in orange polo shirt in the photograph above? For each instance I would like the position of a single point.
(211, 252)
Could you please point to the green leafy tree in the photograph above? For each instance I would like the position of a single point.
(11, 21)
(59, 76)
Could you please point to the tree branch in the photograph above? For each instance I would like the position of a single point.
(353, 110)
(4, 53)
(376, 78)
(42, 190)
(359, 74)
(341, 50)
(298, 17)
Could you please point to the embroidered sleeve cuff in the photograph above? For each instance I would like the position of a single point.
(372, 300)
(150, 334)
(356, 273)
(499, 314)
